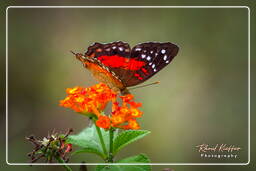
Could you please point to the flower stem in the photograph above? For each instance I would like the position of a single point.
(111, 137)
(60, 160)
(101, 139)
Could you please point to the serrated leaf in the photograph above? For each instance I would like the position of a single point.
(127, 137)
(141, 158)
(88, 140)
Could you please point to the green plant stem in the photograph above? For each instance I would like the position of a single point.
(60, 160)
(111, 137)
(101, 140)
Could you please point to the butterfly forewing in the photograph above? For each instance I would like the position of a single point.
(109, 49)
(114, 56)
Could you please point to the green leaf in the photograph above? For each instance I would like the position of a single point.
(89, 141)
(89, 150)
(127, 137)
(107, 168)
(141, 158)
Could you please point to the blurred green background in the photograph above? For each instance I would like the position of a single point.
(202, 97)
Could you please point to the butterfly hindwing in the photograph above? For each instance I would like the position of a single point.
(155, 55)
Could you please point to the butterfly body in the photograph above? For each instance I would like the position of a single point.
(119, 66)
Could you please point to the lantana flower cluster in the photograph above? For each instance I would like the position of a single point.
(88, 100)
(94, 100)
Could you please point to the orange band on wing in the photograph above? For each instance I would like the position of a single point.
(121, 62)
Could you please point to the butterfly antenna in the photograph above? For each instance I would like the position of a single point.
(73, 52)
(79, 56)
(157, 82)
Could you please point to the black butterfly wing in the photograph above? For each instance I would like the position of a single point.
(155, 56)
(108, 49)
(114, 56)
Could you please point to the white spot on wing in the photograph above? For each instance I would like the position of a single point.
(127, 50)
(151, 51)
(165, 57)
(148, 58)
(137, 49)
(163, 51)
(121, 49)
(153, 66)
(143, 55)
(154, 70)
(114, 47)
(167, 61)
(150, 63)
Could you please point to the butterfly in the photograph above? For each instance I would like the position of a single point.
(119, 66)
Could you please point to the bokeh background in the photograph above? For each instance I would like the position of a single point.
(202, 97)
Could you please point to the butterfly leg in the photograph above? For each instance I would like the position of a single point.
(125, 91)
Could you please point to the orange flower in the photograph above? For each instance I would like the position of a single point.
(127, 97)
(135, 112)
(125, 116)
(103, 122)
(132, 124)
(135, 105)
(74, 90)
(95, 98)
(117, 119)
(86, 100)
